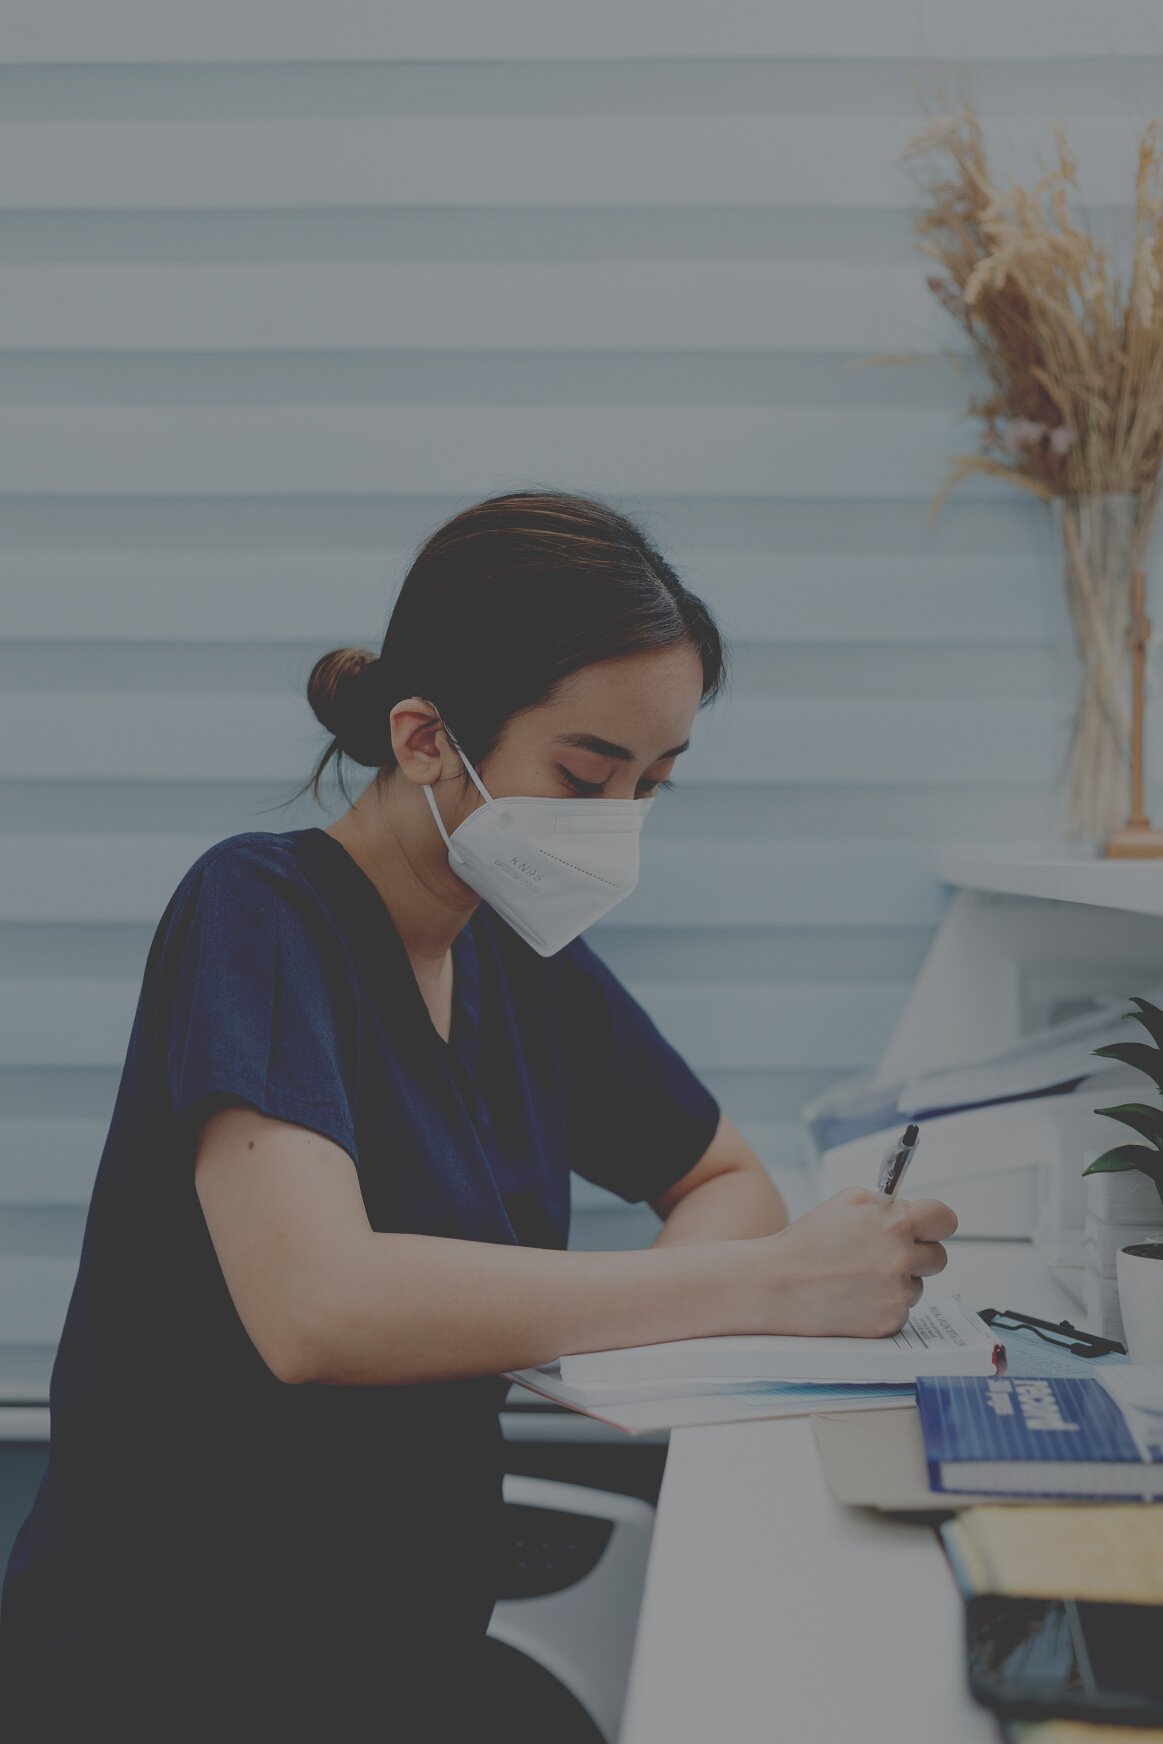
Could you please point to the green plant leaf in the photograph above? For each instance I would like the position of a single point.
(1137, 1055)
(1150, 1017)
(1142, 1117)
(1155, 1171)
(1125, 1156)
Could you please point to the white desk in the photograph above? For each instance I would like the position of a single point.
(774, 1614)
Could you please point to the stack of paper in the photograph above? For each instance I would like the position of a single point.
(1056, 1057)
(640, 1408)
(720, 1380)
(943, 1338)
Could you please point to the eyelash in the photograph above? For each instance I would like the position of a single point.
(587, 789)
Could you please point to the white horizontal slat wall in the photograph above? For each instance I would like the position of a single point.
(282, 287)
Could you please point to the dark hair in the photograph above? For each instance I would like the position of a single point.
(499, 606)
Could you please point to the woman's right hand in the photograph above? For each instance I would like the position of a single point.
(851, 1266)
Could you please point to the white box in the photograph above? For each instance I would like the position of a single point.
(1101, 1297)
(1101, 1241)
(1060, 1251)
(1126, 1197)
(1062, 1188)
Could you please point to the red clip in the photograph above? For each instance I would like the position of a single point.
(999, 1351)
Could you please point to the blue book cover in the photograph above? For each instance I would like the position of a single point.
(1044, 1435)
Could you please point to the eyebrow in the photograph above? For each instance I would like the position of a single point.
(590, 742)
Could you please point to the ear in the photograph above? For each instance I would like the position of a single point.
(420, 744)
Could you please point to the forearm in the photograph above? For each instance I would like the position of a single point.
(415, 1308)
(735, 1204)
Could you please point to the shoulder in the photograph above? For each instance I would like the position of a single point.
(258, 848)
(261, 855)
(254, 872)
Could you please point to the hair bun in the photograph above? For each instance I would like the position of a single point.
(344, 697)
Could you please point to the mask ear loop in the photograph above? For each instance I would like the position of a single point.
(432, 805)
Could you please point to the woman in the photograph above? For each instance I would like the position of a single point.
(333, 1203)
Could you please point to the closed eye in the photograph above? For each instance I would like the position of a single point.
(589, 789)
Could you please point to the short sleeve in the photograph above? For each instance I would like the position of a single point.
(257, 999)
(639, 1118)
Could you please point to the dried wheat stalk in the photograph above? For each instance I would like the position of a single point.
(1076, 408)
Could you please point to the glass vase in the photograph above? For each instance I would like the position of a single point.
(1098, 539)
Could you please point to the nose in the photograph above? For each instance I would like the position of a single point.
(625, 787)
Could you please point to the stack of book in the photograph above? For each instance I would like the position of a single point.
(1055, 1538)
(1107, 1554)
(1063, 1618)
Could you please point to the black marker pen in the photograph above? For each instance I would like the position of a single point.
(896, 1160)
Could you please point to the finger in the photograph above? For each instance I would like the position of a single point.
(932, 1219)
(929, 1258)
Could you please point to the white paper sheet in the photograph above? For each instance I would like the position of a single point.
(941, 1336)
(1053, 1055)
(639, 1409)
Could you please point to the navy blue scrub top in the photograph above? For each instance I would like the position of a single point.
(355, 1526)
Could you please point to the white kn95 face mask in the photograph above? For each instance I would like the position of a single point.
(550, 867)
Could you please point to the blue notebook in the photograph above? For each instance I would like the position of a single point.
(1053, 1435)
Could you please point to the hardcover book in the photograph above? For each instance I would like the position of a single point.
(1093, 1436)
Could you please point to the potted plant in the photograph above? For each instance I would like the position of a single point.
(1139, 1267)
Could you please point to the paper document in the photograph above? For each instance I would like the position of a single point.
(639, 1408)
(943, 1337)
(1057, 1054)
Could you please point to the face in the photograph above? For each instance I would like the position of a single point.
(614, 730)
(611, 731)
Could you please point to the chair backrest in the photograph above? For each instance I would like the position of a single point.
(574, 1607)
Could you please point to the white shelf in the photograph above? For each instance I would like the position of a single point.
(1133, 885)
